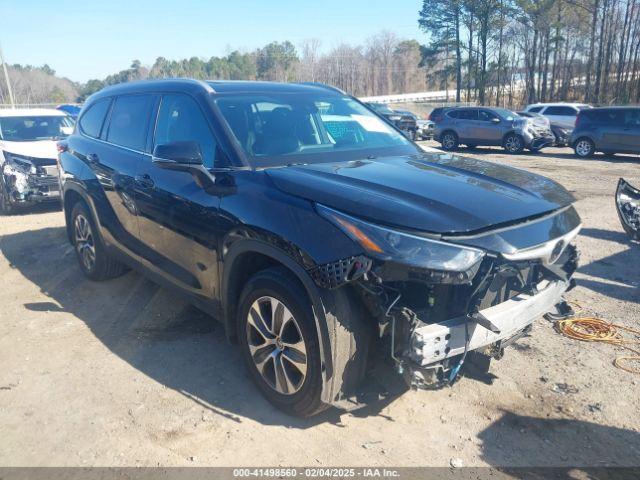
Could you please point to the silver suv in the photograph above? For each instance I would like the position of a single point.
(474, 126)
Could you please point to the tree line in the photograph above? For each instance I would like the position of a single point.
(493, 52)
(383, 64)
(510, 52)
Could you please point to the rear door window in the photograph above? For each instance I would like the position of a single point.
(561, 111)
(93, 119)
(468, 114)
(535, 109)
(129, 121)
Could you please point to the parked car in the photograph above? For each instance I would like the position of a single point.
(561, 114)
(628, 207)
(562, 134)
(309, 226)
(474, 126)
(609, 129)
(404, 122)
(71, 110)
(28, 156)
(424, 128)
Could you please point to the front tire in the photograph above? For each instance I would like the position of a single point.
(94, 260)
(277, 334)
(513, 143)
(6, 208)
(584, 147)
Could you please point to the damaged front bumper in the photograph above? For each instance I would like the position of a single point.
(538, 140)
(432, 344)
(429, 320)
(28, 188)
(628, 207)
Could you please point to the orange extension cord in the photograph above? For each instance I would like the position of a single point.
(593, 329)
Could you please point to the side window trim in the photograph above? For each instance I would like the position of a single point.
(153, 124)
(107, 120)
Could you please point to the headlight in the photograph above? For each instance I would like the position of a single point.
(18, 164)
(387, 244)
(395, 118)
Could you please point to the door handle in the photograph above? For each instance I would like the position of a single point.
(93, 158)
(145, 181)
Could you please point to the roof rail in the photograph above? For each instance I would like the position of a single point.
(323, 85)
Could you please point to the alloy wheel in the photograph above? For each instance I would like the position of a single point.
(448, 141)
(276, 345)
(84, 242)
(513, 143)
(583, 148)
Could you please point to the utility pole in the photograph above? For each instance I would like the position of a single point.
(6, 78)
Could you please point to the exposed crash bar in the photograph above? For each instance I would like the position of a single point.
(435, 342)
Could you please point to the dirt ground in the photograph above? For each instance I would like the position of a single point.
(125, 373)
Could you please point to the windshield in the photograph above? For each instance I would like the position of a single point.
(33, 128)
(276, 129)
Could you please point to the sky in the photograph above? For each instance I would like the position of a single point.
(92, 39)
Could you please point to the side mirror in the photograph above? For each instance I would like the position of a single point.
(178, 155)
(495, 120)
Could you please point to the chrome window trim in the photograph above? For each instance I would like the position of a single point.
(112, 144)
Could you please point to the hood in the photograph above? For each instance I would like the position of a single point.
(38, 149)
(437, 193)
(538, 121)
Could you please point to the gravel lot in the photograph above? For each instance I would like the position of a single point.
(125, 373)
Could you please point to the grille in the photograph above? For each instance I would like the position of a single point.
(334, 274)
(50, 182)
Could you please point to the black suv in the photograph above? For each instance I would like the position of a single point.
(313, 230)
(607, 129)
(407, 122)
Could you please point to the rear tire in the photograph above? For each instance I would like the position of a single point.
(449, 141)
(584, 147)
(513, 143)
(283, 357)
(6, 208)
(95, 262)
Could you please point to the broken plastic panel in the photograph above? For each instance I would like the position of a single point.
(628, 206)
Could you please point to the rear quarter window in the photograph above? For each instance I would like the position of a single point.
(92, 120)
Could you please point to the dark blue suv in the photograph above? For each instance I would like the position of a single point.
(314, 230)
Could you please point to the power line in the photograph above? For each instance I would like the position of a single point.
(6, 78)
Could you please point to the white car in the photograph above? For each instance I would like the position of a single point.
(561, 114)
(28, 152)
